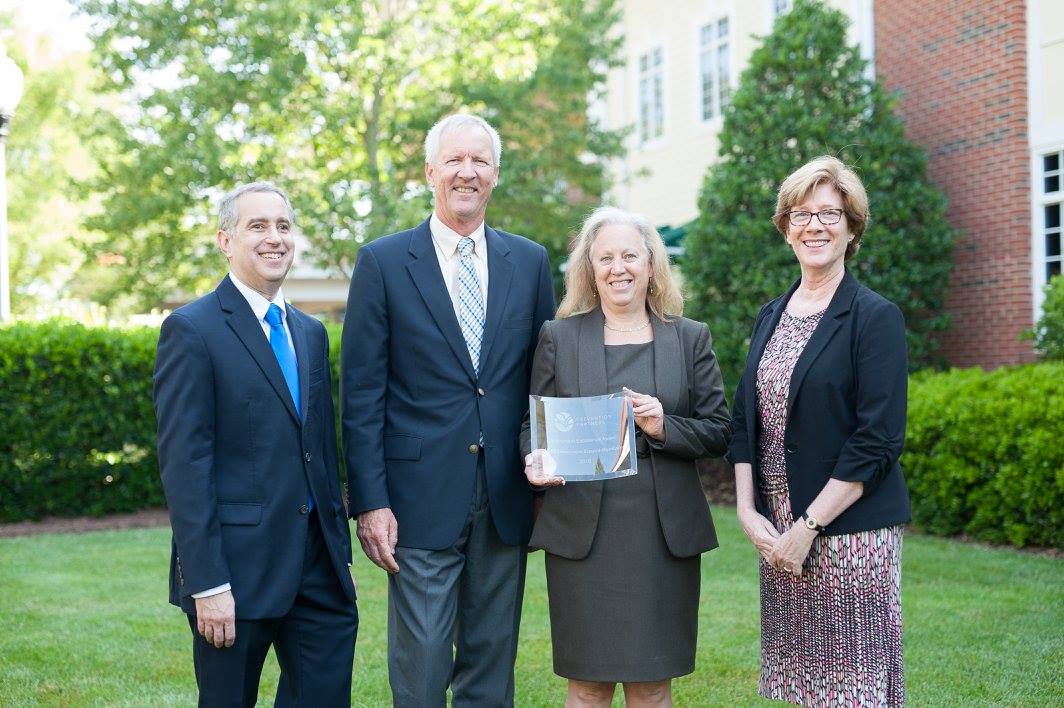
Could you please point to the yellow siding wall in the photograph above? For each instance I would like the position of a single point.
(661, 179)
(1049, 29)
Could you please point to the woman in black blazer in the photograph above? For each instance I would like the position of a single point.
(819, 423)
(623, 555)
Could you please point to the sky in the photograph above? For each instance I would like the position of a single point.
(54, 18)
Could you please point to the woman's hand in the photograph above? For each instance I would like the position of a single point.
(649, 415)
(759, 530)
(791, 549)
(540, 469)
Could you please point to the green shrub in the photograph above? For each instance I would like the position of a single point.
(984, 453)
(78, 431)
(1048, 334)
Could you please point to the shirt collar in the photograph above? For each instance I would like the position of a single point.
(447, 238)
(259, 304)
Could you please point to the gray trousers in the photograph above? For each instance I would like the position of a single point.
(454, 614)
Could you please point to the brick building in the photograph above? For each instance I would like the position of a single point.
(982, 89)
(963, 80)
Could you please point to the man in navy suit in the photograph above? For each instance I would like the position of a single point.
(437, 347)
(247, 453)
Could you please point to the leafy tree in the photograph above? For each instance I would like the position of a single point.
(45, 156)
(332, 101)
(805, 93)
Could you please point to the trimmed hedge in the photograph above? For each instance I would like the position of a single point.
(984, 454)
(78, 432)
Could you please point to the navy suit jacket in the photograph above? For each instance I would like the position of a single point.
(413, 409)
(845, 407)
(237, 461)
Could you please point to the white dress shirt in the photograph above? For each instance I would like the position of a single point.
(259, 305)
(445, 240)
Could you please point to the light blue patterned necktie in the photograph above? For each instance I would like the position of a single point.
(470, 302)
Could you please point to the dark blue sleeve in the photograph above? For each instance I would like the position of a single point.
(364, 362)
(184, 409)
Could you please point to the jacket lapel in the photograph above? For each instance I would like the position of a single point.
(427, 277)
(757, 350)
(839, 306)
(242, 321)
(668, 381)
(500, 275)
(591, 355)
(299, 341)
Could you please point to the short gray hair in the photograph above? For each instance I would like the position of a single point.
(454, 122)
(227, 206)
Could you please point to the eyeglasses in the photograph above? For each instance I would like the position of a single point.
(827, 217)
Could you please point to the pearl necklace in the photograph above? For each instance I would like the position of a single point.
(630, 329)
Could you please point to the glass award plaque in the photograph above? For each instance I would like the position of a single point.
(583, 439)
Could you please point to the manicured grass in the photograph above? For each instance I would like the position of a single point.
(84, 620)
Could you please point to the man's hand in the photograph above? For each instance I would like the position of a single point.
(378, 532)
(216, 619)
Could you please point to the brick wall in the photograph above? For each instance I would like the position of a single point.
(961, 69)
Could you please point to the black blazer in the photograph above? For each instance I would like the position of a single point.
(237, 461)
(570, 360)
(845, 407)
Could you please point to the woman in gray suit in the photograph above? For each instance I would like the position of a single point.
(623, 566)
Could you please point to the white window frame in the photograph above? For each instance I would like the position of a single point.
(722, 90)
(1040, 231)
(650, 73)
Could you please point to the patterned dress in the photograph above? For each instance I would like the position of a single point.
(831, 636)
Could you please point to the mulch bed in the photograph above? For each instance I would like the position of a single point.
(148, 518)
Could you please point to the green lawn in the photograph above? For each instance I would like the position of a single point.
(84, 620)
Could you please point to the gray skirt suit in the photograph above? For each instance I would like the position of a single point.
(623, 568)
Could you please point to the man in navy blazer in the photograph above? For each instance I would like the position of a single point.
(437, 348)
(247, 453)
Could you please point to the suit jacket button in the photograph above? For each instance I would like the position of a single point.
(792, 448)
(304, 509)
(306, 456)
(481, 392)
(473, 449)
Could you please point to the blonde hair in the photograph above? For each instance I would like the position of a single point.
(581, 295)
(831, 171)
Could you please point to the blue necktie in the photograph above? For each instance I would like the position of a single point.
(286, 358)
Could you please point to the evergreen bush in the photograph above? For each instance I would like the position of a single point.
(1048, 334)
(805, 93)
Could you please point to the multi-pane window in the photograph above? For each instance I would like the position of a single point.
(715, 69)
(651, 95)
(1052, 205)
